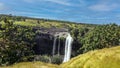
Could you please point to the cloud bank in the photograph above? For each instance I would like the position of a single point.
(2, 6)
(61, 2)
(103, 7)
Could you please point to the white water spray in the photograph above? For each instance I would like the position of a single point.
(59, 47)
(68, 48)
(54, 46)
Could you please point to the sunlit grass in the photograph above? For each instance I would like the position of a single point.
(25, 23)
(105, 58)
(32, 65)
(47, 24)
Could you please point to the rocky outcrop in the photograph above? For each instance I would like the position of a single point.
(45, 38)
(52, 31)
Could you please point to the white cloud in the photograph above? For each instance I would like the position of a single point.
(62, 2)
(2, 6)
(103, 7)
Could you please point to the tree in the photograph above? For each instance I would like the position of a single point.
(102, 36)
(16, 42)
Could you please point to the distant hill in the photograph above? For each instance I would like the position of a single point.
(22, 18)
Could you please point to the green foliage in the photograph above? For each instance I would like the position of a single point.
(57, 59)
(78, 33)
(43, 58)
(101, 37)
(15, 42)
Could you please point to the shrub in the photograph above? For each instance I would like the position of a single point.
(56, 59)
(43, 58)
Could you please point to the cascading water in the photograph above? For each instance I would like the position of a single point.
(68, 48)
(54, 46)
(59, 47)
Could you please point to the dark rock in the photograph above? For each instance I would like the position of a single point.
(44, 39)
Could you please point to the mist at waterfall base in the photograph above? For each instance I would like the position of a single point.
(68, 47)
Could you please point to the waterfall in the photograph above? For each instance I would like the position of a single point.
(68, 48)
(54, 46)
(59, 46)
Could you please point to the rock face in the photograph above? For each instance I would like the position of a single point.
(44, 42)
(45, 38)
(62, 32)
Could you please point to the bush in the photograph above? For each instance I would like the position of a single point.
(43, 58)
(27, 58)
(56, 59)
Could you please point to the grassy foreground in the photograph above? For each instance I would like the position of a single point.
(32, 65)
(105, 58)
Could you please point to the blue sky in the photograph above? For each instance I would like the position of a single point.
(81, 11)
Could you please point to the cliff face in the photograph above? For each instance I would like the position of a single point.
(62, 32)
(45, 39)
